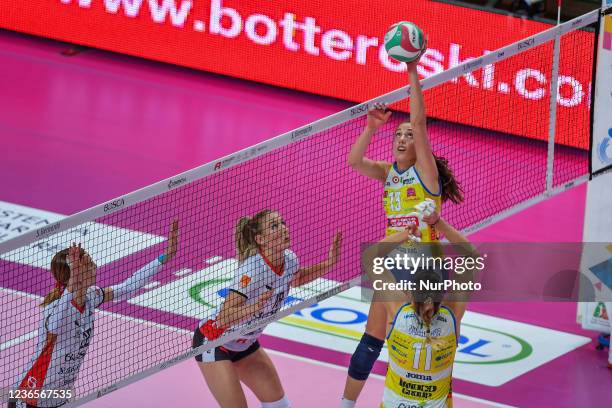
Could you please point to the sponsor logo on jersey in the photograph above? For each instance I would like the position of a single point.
(245, 280)
(395, 179)
(75, 356)
(398, 351)
(401, 222)
(444, 356)
(418, 332)
(85, 339)
(410, 192)
(32, 382)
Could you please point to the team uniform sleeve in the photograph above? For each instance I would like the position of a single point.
(59, 312)
(293, 258)
(95, 296)
(141, 277)
(293, 263)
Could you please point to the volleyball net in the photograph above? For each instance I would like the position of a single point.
(302, 174)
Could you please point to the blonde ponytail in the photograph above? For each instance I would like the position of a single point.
(245, 244)
(52, 296)
(246, 230)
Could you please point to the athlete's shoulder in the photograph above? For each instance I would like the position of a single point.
(95, 296)
(290, 255)
(254, 266)
(389, 168)
(292, 263)
(386, 166)
(252, 262)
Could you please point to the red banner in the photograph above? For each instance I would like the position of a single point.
(334, 49)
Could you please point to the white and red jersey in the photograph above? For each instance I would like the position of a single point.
(253, 278)
(56, 363)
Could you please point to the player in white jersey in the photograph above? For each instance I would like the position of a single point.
(67, 325)
(267, 270)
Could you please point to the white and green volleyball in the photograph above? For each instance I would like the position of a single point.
(404, 41)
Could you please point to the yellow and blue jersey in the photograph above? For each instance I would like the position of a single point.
(420, 363)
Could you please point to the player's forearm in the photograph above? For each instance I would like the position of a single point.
(397, 238)
(310, 273)
(130, 286)
(417, 102)
(453, 236)
(233, 315)
(359, 148)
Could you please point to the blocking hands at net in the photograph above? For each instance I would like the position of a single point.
(267, 269)
(67, 325)
(414, 176)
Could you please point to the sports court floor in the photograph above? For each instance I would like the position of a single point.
(77, 131)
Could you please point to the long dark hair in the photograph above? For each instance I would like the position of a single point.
(451, 189)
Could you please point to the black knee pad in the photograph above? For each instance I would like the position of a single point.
(364, 357)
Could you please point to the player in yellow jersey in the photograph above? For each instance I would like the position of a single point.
(422, 336)
(415, 174)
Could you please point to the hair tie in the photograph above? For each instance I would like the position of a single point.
(59, 285)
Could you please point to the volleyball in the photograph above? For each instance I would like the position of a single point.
(404, 41)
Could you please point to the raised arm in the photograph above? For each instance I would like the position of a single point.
(310, 273)
(378, 115)
(425, 162)
(130, 286)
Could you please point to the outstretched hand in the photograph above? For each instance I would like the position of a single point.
(262, 301)
(414, 232)
(78, 260)
(378, 115)
(428, 211)
(74, 256)
(172, 241)
(432, 218)
(413, 65)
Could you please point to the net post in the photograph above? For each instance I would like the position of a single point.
(554, 89)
